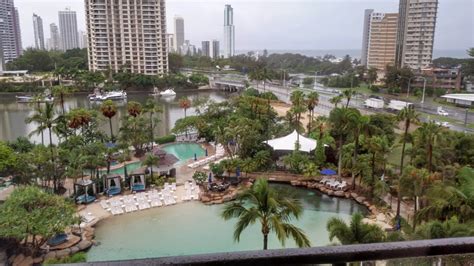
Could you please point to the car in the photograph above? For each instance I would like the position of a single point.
(336, 91)
(442, 112)
(443, 124)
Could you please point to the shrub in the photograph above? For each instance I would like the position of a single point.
(216, 169)
(374, 89)
(165, 139)
(269, 95)
(76, 258)
(200, 177)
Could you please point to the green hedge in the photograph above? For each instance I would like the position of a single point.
(165, 139)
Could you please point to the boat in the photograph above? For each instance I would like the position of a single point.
(31, 99)
(156, 92)
(168, 92)
(110, 95)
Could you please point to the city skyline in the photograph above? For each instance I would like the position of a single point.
(450, 34)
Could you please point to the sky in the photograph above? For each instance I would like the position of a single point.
(275, 24)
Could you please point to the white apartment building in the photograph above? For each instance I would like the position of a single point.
(127, 34)
(38, 32)
(416, 26)
(229, 32)
(68, 29)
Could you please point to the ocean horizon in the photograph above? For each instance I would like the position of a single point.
(354, 53)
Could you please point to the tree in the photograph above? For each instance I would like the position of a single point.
(342, 121)
(151, 107)
(134, 108)
(109, 110)
(312, 100)
(408, 116)
(38, 118)
(371, 75)
(429, 133)
(261, 203)
(379, 147)
(185, 104)
(8, 158)
(308, 81)
(150, 161)
(336, 100)
(360, 125)
(297, 99)
(447, 229)
(31, 216)
(357, 232)
(348, 94)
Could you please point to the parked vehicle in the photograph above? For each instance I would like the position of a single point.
(442, 112)
(443, 124)
(398, 105)
(374, 103)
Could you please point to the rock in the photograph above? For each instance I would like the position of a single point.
(227, 198)
(330, 192)
(50, 255)
(347, 195)
(354, 195)
(360, 199)
(220, 201)
(205, 199)
(366, 203)
(84, 244)
(381, 217)
(74, 249)
(63, 253)
(37, 260)
(339, 193)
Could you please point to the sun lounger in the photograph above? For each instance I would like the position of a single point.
(131, 207)
(117, 210)
(104, 204)
(156, 203)
(173, 186)
(143, 205)
(334, 184)
(342, 185)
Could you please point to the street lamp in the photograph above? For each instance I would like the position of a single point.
(424, 89)
(352, 78)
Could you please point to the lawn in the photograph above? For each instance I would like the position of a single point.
(394, 156)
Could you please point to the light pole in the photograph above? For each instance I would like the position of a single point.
(424, 89)
(352, 79)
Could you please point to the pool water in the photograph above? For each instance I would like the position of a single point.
(120, 171)
(185, 151)
(195, 228)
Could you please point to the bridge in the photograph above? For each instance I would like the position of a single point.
(228, 85)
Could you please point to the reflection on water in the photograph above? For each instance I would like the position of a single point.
(13, 114)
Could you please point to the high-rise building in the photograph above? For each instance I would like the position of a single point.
(229, 32)
(216, 53)
(170, 42)
(416, 30)
(10, 36)
(379, 40)
(187, 48)
(82, 39)
(134, 40)
(178, 33)
(206, 48)
(38, 32)
(68, 29)
(54, 39)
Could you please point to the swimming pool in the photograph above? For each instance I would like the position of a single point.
(120, 171)
(185, 151)
(195, 228)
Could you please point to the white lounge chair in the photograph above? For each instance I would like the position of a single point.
(324, 180)
(342, 185)
(143, 205)
(104, 204)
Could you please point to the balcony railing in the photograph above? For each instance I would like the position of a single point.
(338, 255)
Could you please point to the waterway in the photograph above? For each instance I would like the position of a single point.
(13, 114)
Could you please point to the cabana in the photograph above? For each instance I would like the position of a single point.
(288, 143)
(137, 180)
(86, 186)
(114, 189)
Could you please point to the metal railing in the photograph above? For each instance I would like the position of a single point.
(338, 255)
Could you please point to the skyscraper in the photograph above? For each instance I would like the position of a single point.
(134, 40)
(68, 30)
(178, 33)
(229, 32)
(38, 32)
(10, 35)
(416, 30)
(215, 49)
(379, 40)
(82, 39)
(170, 42)
(206, 48)
(54, 39)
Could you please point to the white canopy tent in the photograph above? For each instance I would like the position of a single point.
(287, 143)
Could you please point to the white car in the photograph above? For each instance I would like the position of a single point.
(442, 112)
(443, 124)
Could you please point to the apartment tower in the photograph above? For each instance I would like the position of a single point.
(216, 53)
(68, 30)
(206, 48)
(229, 32)
(10, 36)
(178, 34)
(38, 32)
(416, 30)
(127, 35)
(379, 40)
(54, 39)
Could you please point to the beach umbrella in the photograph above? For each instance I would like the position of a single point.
(206, 152)
(210, 178)
(195, 157)
(328, 172)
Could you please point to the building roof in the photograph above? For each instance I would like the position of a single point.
(287, 143)
(460, 96)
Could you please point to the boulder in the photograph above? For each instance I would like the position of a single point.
(63, 253)
(347, 195)
(381, 217)
(220, 201)
(84, 244)
(50, 255)
(360, 199)
(205, 199)
(17, 260)
(227, 198)
(37, 260)
(339, 193)
(330, 192)
(74, 249)
(354, 195)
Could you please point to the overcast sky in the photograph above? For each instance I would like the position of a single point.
(275, 24)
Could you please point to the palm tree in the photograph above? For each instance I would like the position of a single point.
(134, 108)
(342, 121)
(360, 124)
(109, 110)
(265, 76)
(430, 132)
(408, 115)
(150, 161)
(312, 100)
(348, 94)
(185, 103)
(357, 232)
(336, 100)
(298, 106)
(61, 91)
(376, 145)
(151, 107)
(262, 203)
(38, 118)
(447, 229)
